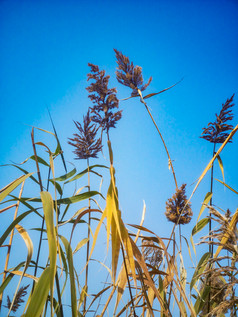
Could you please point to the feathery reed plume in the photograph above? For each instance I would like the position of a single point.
(85, 141)
(18, 299)
(130, 75)
(103, 98)
(218, 131)
(178, 209)
(152, 253)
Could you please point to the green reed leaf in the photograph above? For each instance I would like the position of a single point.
(69, 254)
(48, 208)
(200, 268)
(85, 172)
(205, 202)
(12, 225)
(39, 296)
(65, 176)
(200, 225)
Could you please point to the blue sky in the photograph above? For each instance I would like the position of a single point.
(45, 48)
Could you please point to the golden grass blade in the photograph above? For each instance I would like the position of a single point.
(221, 167)
(204, 204)
(95, 297)
(25, 275)
(48, 208)
(39, 296)
(235, 191)
(122, 279)
(116, 246)
(29, 246)
(213, 159)
(10, 187)
(80, 245)
(42, 130)
(9, 277)
(231, 227)
(151, 297)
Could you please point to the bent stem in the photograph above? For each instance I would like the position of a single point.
(166, 149)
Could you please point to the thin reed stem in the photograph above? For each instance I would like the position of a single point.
(166, 149)
(128, 281)
(210, 245)
(88, 243)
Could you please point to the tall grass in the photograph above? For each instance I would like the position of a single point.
(147, 274)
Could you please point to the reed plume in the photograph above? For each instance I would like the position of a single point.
(104, 99)
(18, 299)
(178, 209)
(85, 140)
(218, 131)
(130, 75)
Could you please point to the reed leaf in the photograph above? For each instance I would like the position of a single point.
(12, 225)
(198, 227)
(199, 269)
(213, 159)
(229, 187)
(90, 168)
(69, 255)
(29, 246)
(65, 176)
(204, 204)
(40, 294)
(221, 167)
(225, 237)
(10, 187)
(80, 245)
(48, 208)
(9, 277)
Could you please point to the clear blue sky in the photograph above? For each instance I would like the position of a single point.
(45, 48)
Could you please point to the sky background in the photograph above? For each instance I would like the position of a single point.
(45, 49)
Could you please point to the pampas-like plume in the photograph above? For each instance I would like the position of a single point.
(18, 299)
(218, 131)
(104, 99)
(85, 140)
(178, 209)
(130, 75)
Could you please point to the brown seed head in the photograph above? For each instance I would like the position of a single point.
(218, 131)
(130, 75)
(85, 140)
(103, 98)
(178, 209)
